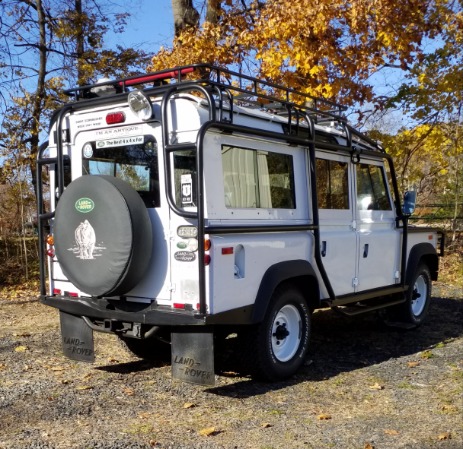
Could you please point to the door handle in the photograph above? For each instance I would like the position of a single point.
(323, 248)
(365, 250)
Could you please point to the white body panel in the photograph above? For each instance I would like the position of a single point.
(360, 248)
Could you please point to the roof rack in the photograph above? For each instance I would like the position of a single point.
(240, 89)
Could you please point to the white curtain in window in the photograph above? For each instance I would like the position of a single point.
(239, 177)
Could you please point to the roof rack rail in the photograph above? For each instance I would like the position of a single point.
(241, 89)
(250, 88)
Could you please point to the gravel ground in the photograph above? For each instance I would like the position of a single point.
(363, 386)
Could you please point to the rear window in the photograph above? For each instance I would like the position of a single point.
(135, 163)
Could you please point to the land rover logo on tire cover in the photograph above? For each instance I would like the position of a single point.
(85, 205)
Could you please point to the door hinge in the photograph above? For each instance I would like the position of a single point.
(355, 282)
(354, 225)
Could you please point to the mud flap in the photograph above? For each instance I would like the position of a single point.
(77, 338)
(193, 357)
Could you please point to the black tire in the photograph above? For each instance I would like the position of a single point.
(103, 235)
(281, 341)
(415, 309)
(151, 349)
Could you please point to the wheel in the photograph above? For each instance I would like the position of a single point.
(152, 349)
(103, 235)
(415, 309)
(282, 339)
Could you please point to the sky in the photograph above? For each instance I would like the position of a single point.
(150, 26)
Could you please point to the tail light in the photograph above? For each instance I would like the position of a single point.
(51, 249)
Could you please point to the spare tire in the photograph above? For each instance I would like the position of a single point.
(103, 235)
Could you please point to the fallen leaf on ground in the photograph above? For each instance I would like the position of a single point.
(84, 387)
(189, 405)
(129, 391)
(208, 431)
(444, 436)
(368, 446)
(266, 425)
(376, 386)
(391, 432)
(413, 364)
(324, 416)
(144, 415)
(57, 368)
(21, 348)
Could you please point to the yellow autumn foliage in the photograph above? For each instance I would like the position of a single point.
(326, 48)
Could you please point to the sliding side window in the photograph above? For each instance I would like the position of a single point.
(257, 179)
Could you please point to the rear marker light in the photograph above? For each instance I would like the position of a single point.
(56, 291)
(177, 305)
(115, 117)
(207, 245)
(207, 259)
(72, 294)
(227, 250)
(50, 240)
(50, 253)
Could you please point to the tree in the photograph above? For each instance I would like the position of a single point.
(326, 48)
(44, 44)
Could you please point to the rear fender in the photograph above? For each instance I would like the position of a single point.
(299, 272)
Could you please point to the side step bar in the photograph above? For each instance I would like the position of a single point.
(363, 307)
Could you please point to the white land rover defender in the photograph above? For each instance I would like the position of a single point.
(196, 202)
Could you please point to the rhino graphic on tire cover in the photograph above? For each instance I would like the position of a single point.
(85, 239)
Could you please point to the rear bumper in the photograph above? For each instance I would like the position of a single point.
(103, 309)
(149, 314)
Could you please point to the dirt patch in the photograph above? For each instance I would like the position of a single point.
(363, 386)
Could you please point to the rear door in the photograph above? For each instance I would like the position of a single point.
(133, 154)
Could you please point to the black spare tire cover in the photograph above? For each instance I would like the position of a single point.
(103, 235)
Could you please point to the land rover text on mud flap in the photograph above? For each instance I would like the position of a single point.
(195, 203)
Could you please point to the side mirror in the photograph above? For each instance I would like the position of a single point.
(409, 202)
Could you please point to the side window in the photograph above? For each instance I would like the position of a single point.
(257, 179)
(371, 188)
(332, 184)
(185, 178)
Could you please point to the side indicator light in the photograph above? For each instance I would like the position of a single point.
(228, 250)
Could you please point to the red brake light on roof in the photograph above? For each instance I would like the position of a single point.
(115, 117)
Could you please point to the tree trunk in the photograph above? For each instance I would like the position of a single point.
(185, 15)
(213, 11)
(40, 93)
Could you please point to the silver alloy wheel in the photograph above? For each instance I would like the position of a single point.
(286, 333)
(419, 295)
